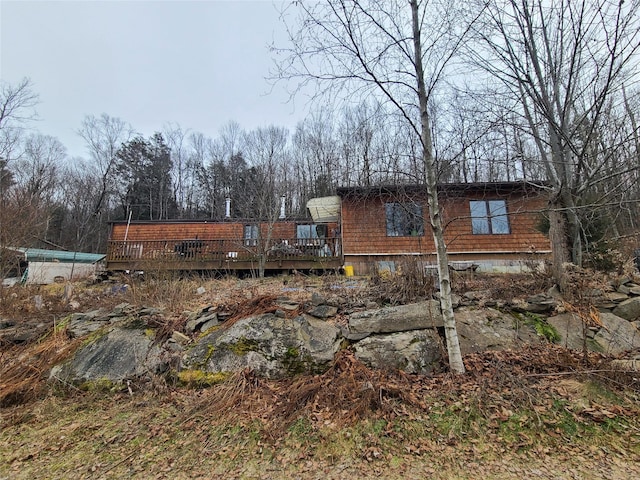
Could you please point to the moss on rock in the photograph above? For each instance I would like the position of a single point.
(200, 378)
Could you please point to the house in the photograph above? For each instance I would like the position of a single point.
(229, 244)
(487, 226)
(40, 266)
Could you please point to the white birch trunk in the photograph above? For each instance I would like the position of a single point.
(453, 345)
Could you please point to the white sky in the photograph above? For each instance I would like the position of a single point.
(200, 64)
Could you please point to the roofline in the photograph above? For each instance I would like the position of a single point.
(444, 187)
(31, 254)
(212, 221)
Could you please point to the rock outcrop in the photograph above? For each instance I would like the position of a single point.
(118, 355)
(303, 337)
(418, 351)
(269, 345)
(482, 329)
(402, 318)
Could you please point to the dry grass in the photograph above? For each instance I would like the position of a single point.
(349, 392)
(24, 369)
(539, 406)
(537, 403)
(410, 282)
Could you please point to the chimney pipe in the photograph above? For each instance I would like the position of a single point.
(227, 209)
(282, 207)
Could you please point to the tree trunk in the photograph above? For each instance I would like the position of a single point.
(453, 345)
(262, 261)
(559, 245)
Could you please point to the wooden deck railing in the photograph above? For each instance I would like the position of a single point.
(203, 254)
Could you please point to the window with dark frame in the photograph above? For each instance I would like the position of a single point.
(489, 217)
(404, 219)
(310, 233)
(251, 235)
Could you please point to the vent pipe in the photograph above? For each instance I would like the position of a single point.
(227, 207)
(282, 207)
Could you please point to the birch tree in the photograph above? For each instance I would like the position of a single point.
(398, 51)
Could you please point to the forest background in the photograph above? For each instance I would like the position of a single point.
(545, 92)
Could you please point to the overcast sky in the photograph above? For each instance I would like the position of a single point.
(200, 64)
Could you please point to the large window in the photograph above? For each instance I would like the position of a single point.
(404, 219)
(310, 233)
(251, 235)
(489, 217)
(306, 232)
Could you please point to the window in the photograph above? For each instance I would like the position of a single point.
(306, 232)
(251, 235)
(489, 217)
(309, 234)
(404, 219)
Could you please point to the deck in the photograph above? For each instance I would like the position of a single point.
(223, 255)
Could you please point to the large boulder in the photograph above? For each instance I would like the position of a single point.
(269, 345)
(617, 335)
(571, 331)
(417, 351)
(415, 316)
(481, 329)
(629, 309)
(115, 356)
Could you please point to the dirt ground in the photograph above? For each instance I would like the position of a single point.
(74, 439)
(539, 412)
(502, 420)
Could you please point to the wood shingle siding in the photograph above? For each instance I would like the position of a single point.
(366, 240)
(363, 238)
(364, 228)
(210, 245)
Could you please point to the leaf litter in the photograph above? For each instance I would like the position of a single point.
(512, 410)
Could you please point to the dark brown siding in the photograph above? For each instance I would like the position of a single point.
(364, 226)
(177, 231)
(218, 246)
(199, 230)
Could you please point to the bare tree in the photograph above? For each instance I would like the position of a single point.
(104, 135)
(21, 224)
(36, 171)
(315, 145)
(81, 230)
(562, 62)
(398, 51)
(265, 150)
(182, 173)
(17, 220)
(362, 135)
(37, 183)
(28, 201)
(17, 107)
(202, 187)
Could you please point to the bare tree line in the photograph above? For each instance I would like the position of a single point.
(408, 91)
(550, 95)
